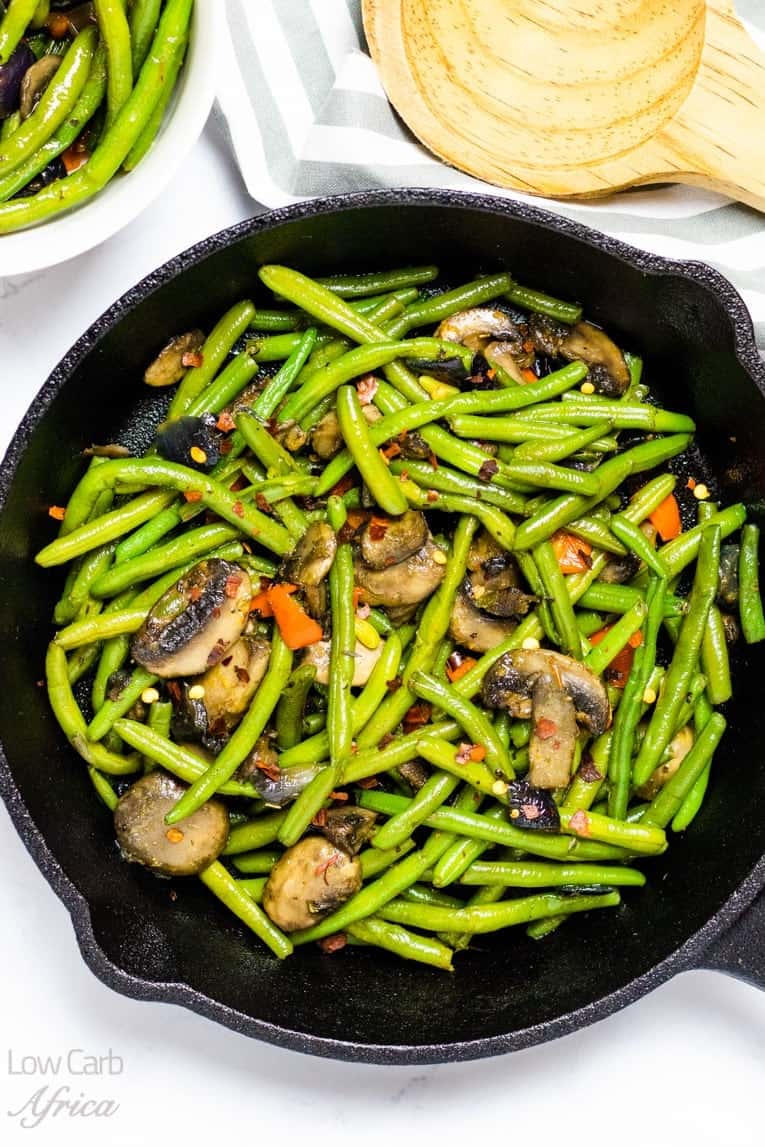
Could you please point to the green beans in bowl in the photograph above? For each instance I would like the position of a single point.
(99, 102)
(412, 622)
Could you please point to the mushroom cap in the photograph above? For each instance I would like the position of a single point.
(402, 537)
(183, 850)
(405, 583)
(230, 685)
(510, 684)
(475, 630)
(365, 660)
(310, 880)
(311, 560)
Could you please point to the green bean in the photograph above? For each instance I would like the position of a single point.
(409, 945)
(115, 32)
(18, 14)
(635, 540)
(582, 410)
(543, 304)
(289, 710)
(684, 658)
(223, 885)
(371, 898)
(694, 799)
(92, 567)
(354, 428)
(277, 387)
(668, 801)
(436, 790)
(538, 929)
(621, 598)
(493, 917)
(491, 518)
(182, 763)
(224, 388)
(277, 348)
(147, 535)
(278, 322)
(103, 788)
(100, 628)
(552, 477)
(87, 105)
(212, 494)
(371, 761)
(261, 861)
(640, 838)
(363, 707)
(714, 659)
(377, 282)
(750, 601)
(629, 711)
(559, 600)
(189, 546)
(158, 720)
(377, 860)
(528, 567)
(464, 852)
(254, 887)
(601, 656)
(447, 481)
(444, 756)
(560, 448)
(448, 303)
(130, 692)
(143, 16)
(149, 133)
(214, 352)
(478, 826)
(245, 735)
(497, 401)
(72, 722)
(472, 719)
(681, 551)
(537, 874)
(597, 534)
(254, 833)
(106, 527)
(57, 102)
(516, 429)
(645, 500)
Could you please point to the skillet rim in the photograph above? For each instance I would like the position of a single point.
(688, 956)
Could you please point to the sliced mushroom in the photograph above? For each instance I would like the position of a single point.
(169, 366)
(556, 692)
(474, 629)
(405, 583)
(450, 370)
(349, 827)
(478, 325)
(36, 80)
(415, 773)
(383, 546)
(679, 748)
(310, 880)
(231, 684)
(508, 357)
(608, 368)
(195, 623)
(364, 661)
(326, 438)
(192, 440)
(311, 560)
(184, 849)
(281, 786)
(495, 588)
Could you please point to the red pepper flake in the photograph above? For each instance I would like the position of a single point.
(227, 660)
(458, 665)
(242, 675)
(545, 728)
(432, 495)
(238, 509)
(589, 771)
(334, 943)
(192, 495)
(433, 460)
(691, 484)
(491, 373)
(378, 527)
(366, 388)
(320, 819)
(330, 862)
(233, 581)
(57, 512)
(391, 451)
(339, 796)
(418, 715)
(195, 593)
(354, 748)
(368, 782)
(270, 770)
(262, 503)
(174, 690)
(192, 358)
(225, 422)
(580, 823)
(392, 685)
(488, 470)
(345, 484)
(238, 484)
(403, 476)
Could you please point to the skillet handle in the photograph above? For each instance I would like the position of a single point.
(740, 951)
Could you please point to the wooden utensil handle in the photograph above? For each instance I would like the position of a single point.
(719, 134)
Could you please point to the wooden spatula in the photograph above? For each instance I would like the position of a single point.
(578, 98)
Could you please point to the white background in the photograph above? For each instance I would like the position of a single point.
(685, 1066)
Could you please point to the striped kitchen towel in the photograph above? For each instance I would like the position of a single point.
(307, 116)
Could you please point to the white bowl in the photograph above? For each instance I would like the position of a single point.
(126, 196)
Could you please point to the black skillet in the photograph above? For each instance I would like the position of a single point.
(702, 908)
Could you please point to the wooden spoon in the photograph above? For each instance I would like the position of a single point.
(579, 98)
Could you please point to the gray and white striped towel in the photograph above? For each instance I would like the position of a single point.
(308, 116)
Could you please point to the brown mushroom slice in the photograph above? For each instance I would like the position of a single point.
(181, 850)
(475, 630)
(384, 546)
(406, 583)
(326, 439)
(509, 356)
(608, 370)
(349, 827)
(311, 560)
(679, 747)
(474, 327)
(495, 588)
(168, 367)
(415, 773)
(553, 735)
(309, 881)
(231, 684)
(364, 661)
(552, 689)
(195, 623)
(36, 80)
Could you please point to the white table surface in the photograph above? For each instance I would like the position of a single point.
(684, 1066)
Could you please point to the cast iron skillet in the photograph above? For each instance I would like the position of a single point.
(701, 908)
